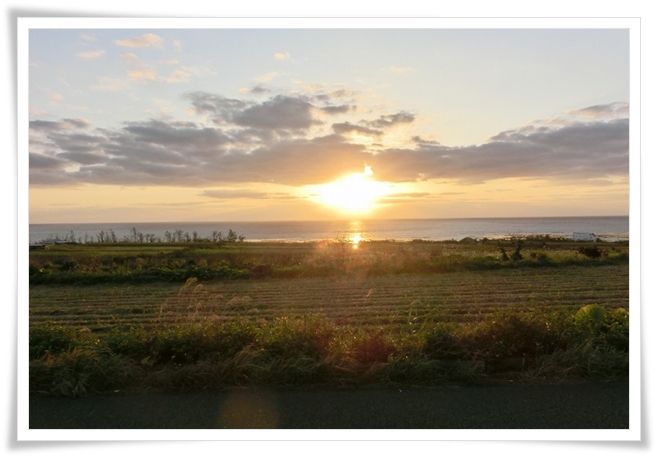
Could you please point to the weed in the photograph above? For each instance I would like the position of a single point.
(55, 339)
(592, 252)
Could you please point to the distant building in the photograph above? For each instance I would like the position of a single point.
(584, 237)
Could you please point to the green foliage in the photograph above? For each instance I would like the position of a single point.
(597, 325)
(592, 252)
(295, 338)
(592, 316)
(227, 260)
(442, 342)
(181, 344)
(591, 342)
(512, 335)
(516, 255)
(55, 339)
(372, 348)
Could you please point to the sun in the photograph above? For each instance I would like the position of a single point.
(354, 194)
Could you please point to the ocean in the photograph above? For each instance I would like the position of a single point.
(607, 228)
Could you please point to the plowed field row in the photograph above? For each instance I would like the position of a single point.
(386, 300)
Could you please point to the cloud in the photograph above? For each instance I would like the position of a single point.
(268, 77)
(128, 56)
(404, 198)
(374, 128)
(46, 162)
(88, 37)
(143, 41)
(186, 154)
(37, 112)
(185, 73)
(279, 141)
(256, 90)
(281, 55)
(599, 112)
(178, 76)
(91, 54)
(110, 84)
(281, 112)
(580, 151)
(56, 96)
(144, 74)
(425, 142)
(347, 127)
(245, 194)
(396, 69)
(219, 107)
(64, 124)
(409, 195)
(393, 119)
(339, 109)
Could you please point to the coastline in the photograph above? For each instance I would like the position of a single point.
(611, 228)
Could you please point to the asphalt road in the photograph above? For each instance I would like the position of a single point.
(588, 405)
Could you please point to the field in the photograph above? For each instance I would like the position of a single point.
(386, 301)
(212, 316)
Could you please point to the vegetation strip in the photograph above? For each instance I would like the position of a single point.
(565, 320)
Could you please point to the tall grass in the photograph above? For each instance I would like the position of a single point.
(541, 344)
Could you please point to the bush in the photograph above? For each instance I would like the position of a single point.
(509, 335)
(181, 344)
(602, 327)
(441, 342)
(373, 348)
(295, 338)
(592, 252)
(53, 339)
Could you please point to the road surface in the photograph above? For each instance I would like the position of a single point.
(585, 405)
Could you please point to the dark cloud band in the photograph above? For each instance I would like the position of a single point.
(275, 141)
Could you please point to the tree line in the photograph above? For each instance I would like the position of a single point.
(135, 236)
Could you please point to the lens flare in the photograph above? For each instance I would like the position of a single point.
(356, 193)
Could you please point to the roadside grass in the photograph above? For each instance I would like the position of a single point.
(531, 345)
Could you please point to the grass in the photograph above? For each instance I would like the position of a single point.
(386, 313)
(139, 263)
(313, 351)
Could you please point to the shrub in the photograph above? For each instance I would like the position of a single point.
(53, 339)
(591, 315)
(594, 323)
(373, 348)
(592, 252)
(441, 342)
(511, 334)
(181, 344)
(295, 338)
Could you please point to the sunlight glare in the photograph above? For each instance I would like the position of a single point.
(356, 193)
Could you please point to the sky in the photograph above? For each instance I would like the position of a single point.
(241, 124)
